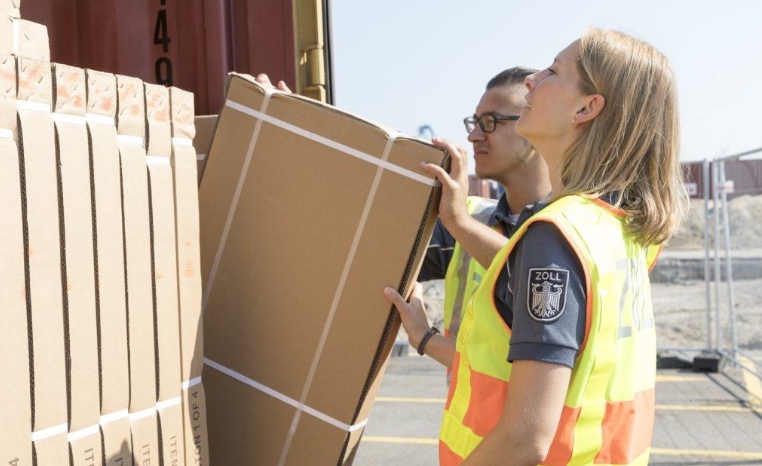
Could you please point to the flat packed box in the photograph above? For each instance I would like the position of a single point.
(307, 214)
(10, 8)
(203, 141)
(16, 413)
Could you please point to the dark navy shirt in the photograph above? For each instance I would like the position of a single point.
(540, 294)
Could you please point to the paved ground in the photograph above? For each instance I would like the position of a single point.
(702, 419)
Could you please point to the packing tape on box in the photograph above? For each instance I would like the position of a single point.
(332, 144)
(339, 292)
(131, 140)
(157, 160)
(290, 401)
(138, 415)
(191, 383)
(234, 201)
(6, 133)
(99, 119)
(50, 432)
(32, 106)
(182, 142)
(84, 433)
(115, 416)
(71, 119)
(162, 405)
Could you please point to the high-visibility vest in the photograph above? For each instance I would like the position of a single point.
(608, 412)
(463, 272)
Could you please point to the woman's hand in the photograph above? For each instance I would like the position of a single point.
(265, 81)
(412, 313)
(452, 206)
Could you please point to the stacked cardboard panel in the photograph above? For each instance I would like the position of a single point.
(296, 327)
(16, 415)
(163, 232)
(89, 261)
(109, 266)
(189, 274)
(78, 264)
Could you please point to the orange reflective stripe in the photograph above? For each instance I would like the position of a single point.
(627, 429)
(448, 457)
(561, 449)
(486, 403)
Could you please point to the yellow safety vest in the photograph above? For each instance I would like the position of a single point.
(463, 272)
(608, 412)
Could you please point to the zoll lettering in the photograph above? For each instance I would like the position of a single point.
(545, 275)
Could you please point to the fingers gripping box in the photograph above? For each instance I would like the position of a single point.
(307, 214)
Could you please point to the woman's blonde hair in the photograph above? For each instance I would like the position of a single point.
(632, 147)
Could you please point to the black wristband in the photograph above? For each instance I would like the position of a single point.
(425, 339)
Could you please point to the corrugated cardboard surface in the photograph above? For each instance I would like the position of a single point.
(159, 135)
(203, 141)
(9, 7)
(140, 304)
(307, 213)
(16, 414)
(189, 277)
(78, 262)
(101, 113)
(43, 248)
(24, 38)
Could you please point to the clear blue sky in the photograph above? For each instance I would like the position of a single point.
(406, 63)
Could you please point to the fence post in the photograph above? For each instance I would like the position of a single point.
(728, 264)
(707, 281)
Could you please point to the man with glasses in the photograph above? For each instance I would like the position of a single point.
(505, 157)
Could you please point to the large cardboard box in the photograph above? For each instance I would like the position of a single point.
(109, 266)
(159, 151)
(78, 263)
(16, 413)
(39, 187)
(307, 214)
(131, 122)
(203, 141)
(189, 277)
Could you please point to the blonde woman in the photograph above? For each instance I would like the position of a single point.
(555, 359)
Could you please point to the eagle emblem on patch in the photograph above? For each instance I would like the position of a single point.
(546, 296)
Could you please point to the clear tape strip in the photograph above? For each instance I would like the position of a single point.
(100, 119)
(290, 401)
(31, 106)
(138, 415)
(115, 416)
(234, 202)
(333, 144)
(191, 383)
(157, 160)
(6, 133)
(84, 433)
(182, 142)
(162, 405)
(131, 140)
(71, 119)
(15, 36)
(49, 432)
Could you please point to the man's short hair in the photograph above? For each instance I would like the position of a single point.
(510, 77)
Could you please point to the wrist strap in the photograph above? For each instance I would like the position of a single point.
(425, 339)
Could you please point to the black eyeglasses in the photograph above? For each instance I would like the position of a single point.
(487, 122)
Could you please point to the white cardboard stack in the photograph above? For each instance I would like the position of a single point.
(93, 284)
(159, 152)
(16, 415)
(189, 267)
(110, 276)
(78, 264)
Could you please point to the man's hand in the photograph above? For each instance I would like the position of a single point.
(264, 80)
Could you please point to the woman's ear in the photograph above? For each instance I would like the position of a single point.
(593, 106)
